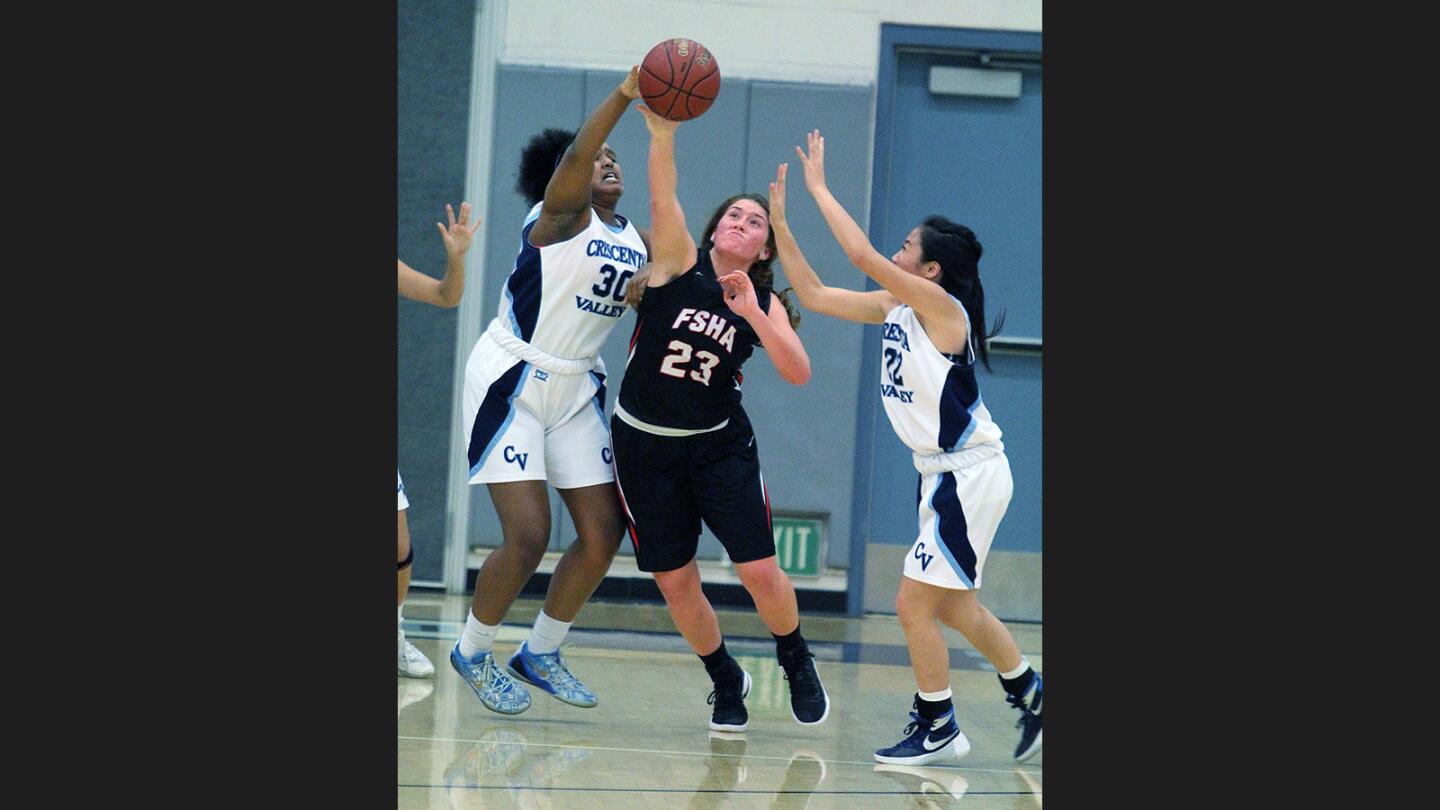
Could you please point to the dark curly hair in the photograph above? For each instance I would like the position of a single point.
(760, 272)
(957, 250)
(538, 161)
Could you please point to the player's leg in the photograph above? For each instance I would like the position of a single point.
(595, 511)
(651, 474)
(578, 463)
(505, 452)
(409, 661)
(933, 733)
(962, 514)
(736, 506)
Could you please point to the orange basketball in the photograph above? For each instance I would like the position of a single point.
(679, 79)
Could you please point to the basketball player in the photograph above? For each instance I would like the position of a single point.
(446, 293)
(534, 404)
(684, 448)
(933, 311)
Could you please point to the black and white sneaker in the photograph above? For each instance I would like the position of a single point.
(729, 702)
(1029, 705)
(809, 703)
(927, 741)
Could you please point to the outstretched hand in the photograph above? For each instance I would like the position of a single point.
(630, 87)
(740, 294)
(814, 162)
(655, 123)
(777, 195)
(457, 236)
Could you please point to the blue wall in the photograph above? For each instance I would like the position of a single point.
(434, 55)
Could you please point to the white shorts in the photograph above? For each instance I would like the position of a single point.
(526, 423)
(959, 512)
(404, 502)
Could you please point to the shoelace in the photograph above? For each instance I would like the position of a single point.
(914, 724)
(494, 677)
(805, 678)
(1019, 703)
(559, 672)
(732, 697)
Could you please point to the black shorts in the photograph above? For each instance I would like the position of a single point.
(668, 484)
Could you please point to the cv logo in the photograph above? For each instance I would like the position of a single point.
(514, 457)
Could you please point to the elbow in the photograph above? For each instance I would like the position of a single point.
(798, 376)
(857, 255)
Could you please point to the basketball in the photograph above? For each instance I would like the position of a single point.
(679, 79)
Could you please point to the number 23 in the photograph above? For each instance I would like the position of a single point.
(680, 353)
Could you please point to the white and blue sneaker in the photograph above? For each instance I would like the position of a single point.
(1030, 706)
(547, 671)
(494, 688)
(927, 741)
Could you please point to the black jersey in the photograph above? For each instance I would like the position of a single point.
(685, 354)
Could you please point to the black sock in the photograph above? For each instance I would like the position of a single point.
(790, 645)
(719, 664)
(1017, 686)
(931, 710)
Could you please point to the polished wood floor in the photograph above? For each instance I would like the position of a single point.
(647, 743)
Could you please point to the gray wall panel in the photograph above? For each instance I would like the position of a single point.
(433, 100)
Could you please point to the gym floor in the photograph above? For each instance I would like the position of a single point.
(648, 744)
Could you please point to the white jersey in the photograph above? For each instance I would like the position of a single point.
(932, 399)
(564, 298)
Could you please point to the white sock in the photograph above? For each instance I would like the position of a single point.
(478, 637)
(400, 619)
(1017, 671)
(934, 696)
(547, 634)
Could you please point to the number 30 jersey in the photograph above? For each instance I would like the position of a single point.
(932, 399)
(565, 298)
(683, 372)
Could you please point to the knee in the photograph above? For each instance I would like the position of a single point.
(529, 545)
(911, 611)
(761, 576)
(679, 587)
(966, 613)
(601, 539)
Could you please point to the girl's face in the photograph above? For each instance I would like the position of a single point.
(908, 257)
(743, 230)
(605, 178)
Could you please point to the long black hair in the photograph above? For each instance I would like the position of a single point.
(538, 161)
(760, 272)
(957, 250)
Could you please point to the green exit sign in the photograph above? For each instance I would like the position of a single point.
(797, 545)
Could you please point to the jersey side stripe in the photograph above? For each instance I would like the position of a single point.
(495, 414)
(523, 288)
(951, 531)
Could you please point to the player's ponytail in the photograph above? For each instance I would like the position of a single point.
(957, 250)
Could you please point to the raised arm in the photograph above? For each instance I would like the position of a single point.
(445, 292)
(566, 209)
(851, 305)
(773, 327)
(672, 249)
(926, 297)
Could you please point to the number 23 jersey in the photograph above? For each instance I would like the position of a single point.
(683, 371)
